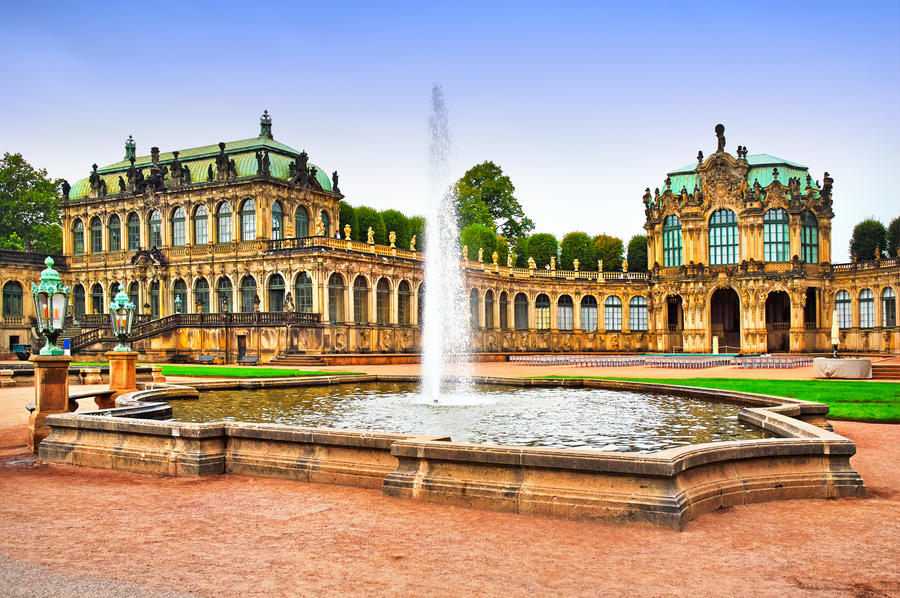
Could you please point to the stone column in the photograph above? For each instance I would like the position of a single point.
(554, 313)
(122, 376)
(51, 394)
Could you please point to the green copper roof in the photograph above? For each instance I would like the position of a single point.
(761, 166)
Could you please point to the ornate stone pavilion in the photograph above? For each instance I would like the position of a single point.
(233, 249)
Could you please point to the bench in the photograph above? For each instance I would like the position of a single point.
(207, 359)
(179, 358)
(249, 360)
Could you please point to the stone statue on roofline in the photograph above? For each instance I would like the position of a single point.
(481, 255)
(720, 138)
(465, 252)
(288, 302)
(65, 188)
(531, 263)
(552, 263)
(370, 236)
(412, 243)
(334, 182)
(575, 264)
(510, 260)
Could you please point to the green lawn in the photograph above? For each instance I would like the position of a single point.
(850, 400)
(242, 371)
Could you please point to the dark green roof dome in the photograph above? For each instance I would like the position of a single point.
(761, 166)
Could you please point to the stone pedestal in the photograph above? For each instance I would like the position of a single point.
(51, 394)
(122, 376)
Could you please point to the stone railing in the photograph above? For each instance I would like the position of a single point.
(13, 320)
(868, 265)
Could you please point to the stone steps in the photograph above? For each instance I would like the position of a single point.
(885, 372)
(298, 360)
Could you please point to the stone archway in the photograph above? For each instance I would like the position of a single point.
(674, 323)
(778, 322)
(725, 320)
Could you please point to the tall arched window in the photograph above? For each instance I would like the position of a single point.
(154, 229)
(303, 293)
(383, 302)
(275, 292)
(301, 222)
(133, 222)
(78, 237)
(248, 293)
(360, 300)
(96, 235)
(542, 312)
(78, 302)
(114, 233)
(637, 313)
(723, 238)
(336, 298)
(12, 299)
(672, 241)
(178, 231)
(133, 293)
(888, 308)
(179, 297)
(277, 221)
(223, 295)
(520, 311)
(404, 298)
(504, 310)
(612, 312)
(842, 307)
(474, 304)
(223, 223)
(201, 296)
(248, 220)
(201, 225)
(97, 306)
(809, 238)
(154, 299)
(866, 309)
(326, 223)
(565, 313)
(489, 309)
(420, 304)
(589, 313)
(776, 236)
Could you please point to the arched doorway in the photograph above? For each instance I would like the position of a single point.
(674, 323)
(778, 321)
(725, 320)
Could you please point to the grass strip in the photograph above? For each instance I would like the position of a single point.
(242, 371)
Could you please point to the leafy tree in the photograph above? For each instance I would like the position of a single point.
(417, 228)
(893, 237)
(366, 217)
(399, 223)
(637, 253)
(502, 251)
(347, 216)
(580, 246)
(520, 250)
(485, 195)
(478, 236)
(29, 207)
(542, 246)
(610, 250)
(869, 240)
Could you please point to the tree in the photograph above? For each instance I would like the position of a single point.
(869, 240)
(542, 246)
(347, 216)
(366, 217)
(29, 207)
(478, 236)
(417, 228)
(637, 253)
(399, 223)
(609, 249)
(580, 246)
(893, 237)
(520, 251)
(485, 195)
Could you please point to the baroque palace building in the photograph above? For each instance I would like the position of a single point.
(235, 248)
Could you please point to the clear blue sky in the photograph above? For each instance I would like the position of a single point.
(582, 104)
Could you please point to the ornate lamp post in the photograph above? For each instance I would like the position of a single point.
(121, 315)
(51, 300)
(122, 359)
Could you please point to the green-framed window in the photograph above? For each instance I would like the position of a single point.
(776, 236)
(672, 241)
(114, 233)
(723, 238)
(809, 238)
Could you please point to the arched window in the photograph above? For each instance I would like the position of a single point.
(809, 238)
(133, 222)
(78, 237)
(154, 229)
(223, 223)
(78, 303)
(178, 231)
(888, 308)
(637, 313)
(612, 312)
(154, 299)
(133, 293)
(201, 296)
(336, 298)
(12, 299)
(383, 302)
(97, 299)
(404, 298)
(96, 235)
(301, 222)
(866, 309)
(565, 313)
(672, 241)
(420, 304)
(776, 236)
(542, 312)
(474, 304)
(360, 300)
(520, 311)
(248, 220)
(277, 221)
(326, 223)
(723, 238)
(114, 233)
(504, 310)
(179, 297)
(248, 294)
(223, 295)
(842, 307)
(589, 313)
(303, 293)
(489, 309)
(114, 288)
(201, 225)
(275, 292)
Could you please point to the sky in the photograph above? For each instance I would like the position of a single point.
(583, 105)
